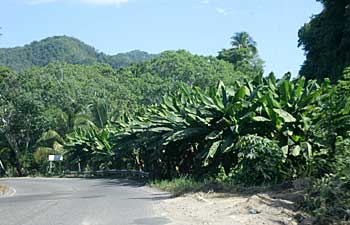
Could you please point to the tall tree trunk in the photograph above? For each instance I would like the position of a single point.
(2, 168)
(14, 153)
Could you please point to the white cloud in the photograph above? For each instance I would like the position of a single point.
(205, 2)
(221, 11)
(105, 2)
(91, 2)
(36, 2)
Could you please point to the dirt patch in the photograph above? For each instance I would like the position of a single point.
(215, 209)
(3, 189)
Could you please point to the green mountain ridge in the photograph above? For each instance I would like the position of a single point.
(65, 49)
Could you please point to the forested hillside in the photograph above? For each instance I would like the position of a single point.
(61, 97)
(64, 49)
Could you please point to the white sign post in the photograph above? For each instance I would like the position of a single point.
(53, 158)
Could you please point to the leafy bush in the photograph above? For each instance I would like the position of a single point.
(329, 200)
(260, 161)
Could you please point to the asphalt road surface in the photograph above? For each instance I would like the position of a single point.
(42, 201)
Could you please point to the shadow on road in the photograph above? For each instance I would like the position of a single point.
(152, 221)
(155, 197)
(108, 182)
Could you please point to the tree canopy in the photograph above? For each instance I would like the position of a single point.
(326, 41)
(61, 96)
(243, 54)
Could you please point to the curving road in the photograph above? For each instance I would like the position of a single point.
(43, 201)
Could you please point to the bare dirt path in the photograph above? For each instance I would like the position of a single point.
(215, 209)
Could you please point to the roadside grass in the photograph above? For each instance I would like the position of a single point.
(185, 185)
(179, 186)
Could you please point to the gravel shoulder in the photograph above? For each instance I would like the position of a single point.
(215, 209)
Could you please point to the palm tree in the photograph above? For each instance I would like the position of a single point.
(243, 54)
(244, 40)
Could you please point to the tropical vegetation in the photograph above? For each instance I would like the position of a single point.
(177, 115)
(326, 41)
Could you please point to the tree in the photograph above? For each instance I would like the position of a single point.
(243, 40)
(326, 41)
(170, 69)
(4, 72)
(243, 54)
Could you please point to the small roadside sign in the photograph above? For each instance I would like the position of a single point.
(55, 158)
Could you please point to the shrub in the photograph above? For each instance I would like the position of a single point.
(260, 161)
(329, 198)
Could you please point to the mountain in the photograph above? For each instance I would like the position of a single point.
(64, 49)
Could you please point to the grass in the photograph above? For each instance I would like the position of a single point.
(184, 185)
(178, 186)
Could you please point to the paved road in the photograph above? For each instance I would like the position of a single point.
(41, 201)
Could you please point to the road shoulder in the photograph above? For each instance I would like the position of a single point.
(215, 209)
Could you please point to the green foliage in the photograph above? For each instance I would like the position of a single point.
(4, 72)
(5, 161)
(177, 186)
(89, 143)
(329, 198)
(60, 97)
(260, 161)
(331, 121)
(90, 146)
(243, 54)
(51, 98)
(326, 41)
(64, 49)
(171, 69)
(170, 115)
(41, 156)
(125, 59)
(195, 132)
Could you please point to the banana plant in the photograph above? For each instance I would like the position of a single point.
(90, 146)
(284, 110)
(195, 131)
(89, 142)
(191, 128)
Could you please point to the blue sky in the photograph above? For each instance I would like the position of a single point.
(200, 26)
